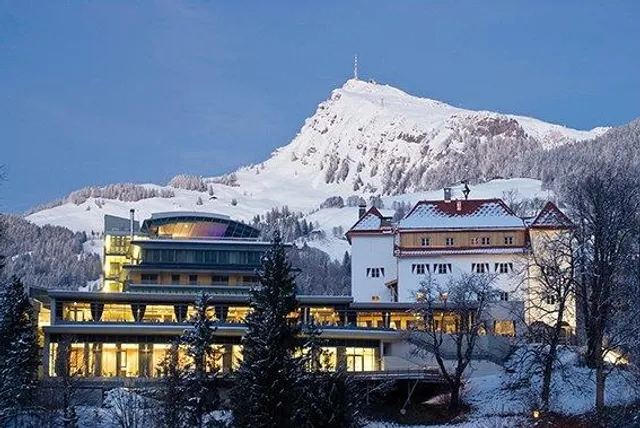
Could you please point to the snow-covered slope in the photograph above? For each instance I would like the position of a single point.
(379, 139)
(366, 139)
(88, 216)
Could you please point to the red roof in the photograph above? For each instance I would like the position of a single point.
(467, 206)
(461, 214)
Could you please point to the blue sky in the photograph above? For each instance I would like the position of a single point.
(93, 93)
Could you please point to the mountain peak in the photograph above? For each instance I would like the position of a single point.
(371, 138)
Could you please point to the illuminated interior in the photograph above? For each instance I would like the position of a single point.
(446, 322)
(361, 359)
(324, 316)
(504, 328)
(128, 360)
(186, 230)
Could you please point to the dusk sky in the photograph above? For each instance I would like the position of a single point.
(93, 92)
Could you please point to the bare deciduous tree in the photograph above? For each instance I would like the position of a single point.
(604, 203)
(550, 309)
(454, 315)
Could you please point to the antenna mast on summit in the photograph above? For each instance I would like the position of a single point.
(355, 67)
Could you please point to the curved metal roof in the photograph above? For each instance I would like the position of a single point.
(198, 225)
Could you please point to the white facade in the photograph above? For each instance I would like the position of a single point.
(372, 265)
(410, 273)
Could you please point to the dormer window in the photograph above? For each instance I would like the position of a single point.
(449, 241)
(425, 242)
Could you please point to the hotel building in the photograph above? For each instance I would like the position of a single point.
(153, 272)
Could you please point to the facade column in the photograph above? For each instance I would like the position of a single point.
(341, 357)
(85, 360)
(118, 360)
(352, 318)
(386, 319)
(45, 356)
(97, 359)
(227, 359)
(145, 352)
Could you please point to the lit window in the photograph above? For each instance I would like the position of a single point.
(504, 328)
(508, 240)
(448, 242)
(485, 240)
(425, 242)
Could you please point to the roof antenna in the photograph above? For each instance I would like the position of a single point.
(466, 189)
(355, 67)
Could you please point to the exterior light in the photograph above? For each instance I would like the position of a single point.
(535, 413)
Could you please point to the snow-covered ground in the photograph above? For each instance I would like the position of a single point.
(573, 393)
(493, 405)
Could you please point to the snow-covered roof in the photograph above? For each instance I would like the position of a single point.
(461, 214)
(371, 220)
(551, 216)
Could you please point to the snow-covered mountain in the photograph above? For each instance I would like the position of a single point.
(378, 139)
(366, 139)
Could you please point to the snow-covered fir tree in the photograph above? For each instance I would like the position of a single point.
(266, 388)
(331, 398)
(201, 391)
(19, 353)
(46, 256)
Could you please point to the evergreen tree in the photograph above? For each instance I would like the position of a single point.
(19, 353)
(266, 389)
(201, 390)
(171, 393)
(329, 396)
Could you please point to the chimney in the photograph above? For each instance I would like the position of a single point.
(458, 205)
(447, 194)
(132, 214)
(362, 208)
